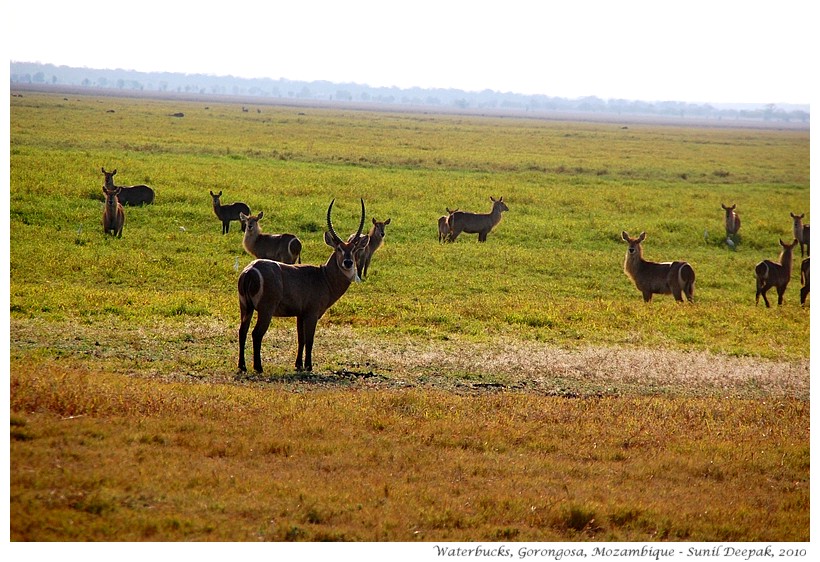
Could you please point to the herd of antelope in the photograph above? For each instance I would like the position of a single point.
(678, 278)
(277, 284)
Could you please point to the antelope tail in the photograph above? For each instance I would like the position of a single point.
(295, 249)
(762, 272)
(250, 286)
(686, 279)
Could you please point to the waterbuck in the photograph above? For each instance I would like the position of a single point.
(801, 232)
(676, 278)
(444, 225)
(770, 274)
(732, 221)
(304, 291)
(285, 248)
(228, 213)
(373, 240)
(130, 195)
(804, 280)
(474, 223)
(113, 213)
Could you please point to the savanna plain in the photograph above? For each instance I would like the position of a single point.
(513, 390)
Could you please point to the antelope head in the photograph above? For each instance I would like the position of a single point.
(344, 252)
(634, 243)
(499, 203)
(109, 177)
(379, 226)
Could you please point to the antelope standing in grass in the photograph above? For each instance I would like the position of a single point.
(285, 248)
(676, 278)
(113, 213)
(444, 225)
(801, 232)
(228, 213)
(130, 195)
(804, 280)
(770, 274)
(373, 240)
(732, 222)
(475, 223)
(304, 291)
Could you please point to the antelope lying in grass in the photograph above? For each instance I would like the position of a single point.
(732, 222)
(804, 280)
(801, 232)
(373, 240)
(304, 291)
(285, 248)
(770, 274)
(130, 195)
(474, 223)
(677, 277)
(113, 213)
(228, 213)
(444, 225)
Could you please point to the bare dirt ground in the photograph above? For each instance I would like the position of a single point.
(205, 352)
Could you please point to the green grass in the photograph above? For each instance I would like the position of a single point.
(457, 366)
(572, 188)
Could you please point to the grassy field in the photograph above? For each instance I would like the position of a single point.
(514, 390)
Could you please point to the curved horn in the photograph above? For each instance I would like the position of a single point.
(330, 224)
(361, 224)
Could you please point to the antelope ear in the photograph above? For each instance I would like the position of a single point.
(212, 194)
(243, 217)
(114, 172)
(387, 222)
(642, 237)
(374, 220)
(329, 239)
(625, 236)
(103, 169)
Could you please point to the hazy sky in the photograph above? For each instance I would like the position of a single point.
(691, 50)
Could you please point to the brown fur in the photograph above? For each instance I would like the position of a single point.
(444, 225)
(801, 232)
(113, 214)
(228, 213)
(374, 240)
(285, 248)
(476, 223)
(304, 291)
(731, 220)
(770, 274)
(676, 278)
(130, 195)
(804, 280)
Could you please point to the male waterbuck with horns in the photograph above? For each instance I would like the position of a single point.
(130, 195)
(476, 223)
(113, 213)
(304, 291)
(801, 232)
(228, 213)
(770, 274)
(373, 240)
(731, 221)
(676, 278)
(285, 248)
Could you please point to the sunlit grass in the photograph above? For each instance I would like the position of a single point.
(468, 391)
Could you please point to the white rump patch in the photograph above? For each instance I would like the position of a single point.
(255, 298)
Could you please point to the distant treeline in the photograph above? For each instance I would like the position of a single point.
(118, 79)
